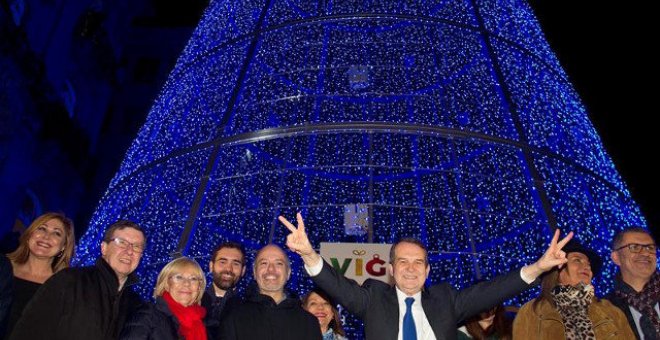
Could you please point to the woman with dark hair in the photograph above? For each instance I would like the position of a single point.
(319, 304)
(489, 325)
(45, 248)
(567, 307)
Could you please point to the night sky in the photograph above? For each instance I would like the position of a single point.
(606, 51)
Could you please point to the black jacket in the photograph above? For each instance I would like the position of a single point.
(6, 293)
(259, 317)
(152, 322)
(78, 303)
(622, 303)
(376, 303)
(217, 308)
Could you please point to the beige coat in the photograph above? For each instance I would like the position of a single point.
(545, 323)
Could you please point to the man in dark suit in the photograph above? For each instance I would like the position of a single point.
(637, 284)
(396, 312)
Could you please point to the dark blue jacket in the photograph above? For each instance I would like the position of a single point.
(260, 318)
(5, 292)
(153, 321)
(217, 308)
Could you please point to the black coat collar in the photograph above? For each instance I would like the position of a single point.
(110, 277)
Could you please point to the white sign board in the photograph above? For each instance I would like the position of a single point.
(358, 261)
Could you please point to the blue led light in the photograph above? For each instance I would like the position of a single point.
(451, 121)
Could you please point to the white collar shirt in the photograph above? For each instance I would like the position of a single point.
(422, 325)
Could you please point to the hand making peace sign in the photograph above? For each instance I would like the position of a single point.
(554, 256)
(297, 240)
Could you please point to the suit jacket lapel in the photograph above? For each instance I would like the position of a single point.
(391, 321)
(431, 313)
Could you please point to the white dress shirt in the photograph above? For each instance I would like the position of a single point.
(422, 325)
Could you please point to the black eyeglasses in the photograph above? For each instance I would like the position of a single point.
(123, 244)
(636, 247)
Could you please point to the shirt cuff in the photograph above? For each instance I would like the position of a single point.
(315, 269)
(526, 278)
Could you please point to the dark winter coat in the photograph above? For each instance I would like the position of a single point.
(622, 303)
(153, 322)
(259, 317)
(78, 303)
(217, 308)
(5, 292)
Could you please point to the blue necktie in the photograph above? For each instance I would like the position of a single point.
(409, 331)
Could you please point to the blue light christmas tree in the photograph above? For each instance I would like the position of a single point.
(451, 121)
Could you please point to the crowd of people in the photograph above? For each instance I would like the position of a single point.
(41, 297)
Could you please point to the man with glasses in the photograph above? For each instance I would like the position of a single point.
(227, 266)
(637, 284)
(88, 302)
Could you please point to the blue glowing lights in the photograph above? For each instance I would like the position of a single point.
(451, 121)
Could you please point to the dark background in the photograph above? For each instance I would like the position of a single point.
(606, 50)
(124, 53)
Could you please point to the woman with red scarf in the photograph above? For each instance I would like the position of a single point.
(177, 313)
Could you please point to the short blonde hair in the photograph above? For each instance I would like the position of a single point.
(172, 269)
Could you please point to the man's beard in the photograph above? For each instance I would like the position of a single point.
(224, 284)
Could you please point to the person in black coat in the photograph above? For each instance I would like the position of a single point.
(89, 302)
(177, 313)
(269, 312)
(227, 266)
(637, 283)
(435, 310)
(5, 293)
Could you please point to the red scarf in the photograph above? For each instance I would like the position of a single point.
(190, 318)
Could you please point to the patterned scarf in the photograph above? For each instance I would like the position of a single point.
(573, 306)
(644, 302)
(190, 318)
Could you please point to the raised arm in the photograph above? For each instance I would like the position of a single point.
(554, 256)
(485, 295)
(298, 241)
(345, 291)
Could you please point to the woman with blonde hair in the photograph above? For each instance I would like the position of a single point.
(45, 248)
(177, 312)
